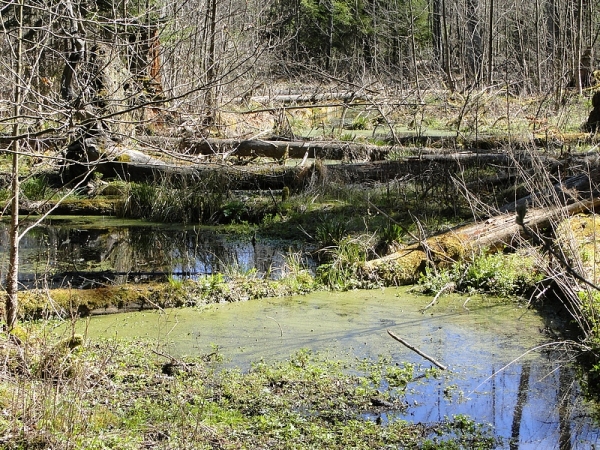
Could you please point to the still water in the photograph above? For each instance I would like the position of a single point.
(530, 399)
(95, 250)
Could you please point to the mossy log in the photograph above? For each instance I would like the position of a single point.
(405, 265)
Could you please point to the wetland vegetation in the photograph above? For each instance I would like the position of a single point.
(189, 155)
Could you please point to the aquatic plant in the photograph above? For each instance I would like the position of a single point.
(330, 231)
(501, 275)
(344, 262)
(296, 275)
(168, 203)
(131, 395)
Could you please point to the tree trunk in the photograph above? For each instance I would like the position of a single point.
(12, 277)
(75, 56)
(404, 266)
(473, 41)
(436, 32)
(491, 30)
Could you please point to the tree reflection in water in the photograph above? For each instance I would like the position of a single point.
(54, 255)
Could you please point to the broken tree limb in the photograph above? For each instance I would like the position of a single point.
(447, 287)
(564, 192)
(417, 351)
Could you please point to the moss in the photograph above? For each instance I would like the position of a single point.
(64, 302)
(579, 238)
(124, 157)
(112, 299)
(410, 262)
(87, 206)
(448, 247)
(396, 272)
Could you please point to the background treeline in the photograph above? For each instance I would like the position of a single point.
(213, 51)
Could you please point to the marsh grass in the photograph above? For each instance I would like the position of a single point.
(35, 188)
(168, 201)
(344, 261)
(134, 395)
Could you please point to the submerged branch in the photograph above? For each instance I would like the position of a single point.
(416, 350)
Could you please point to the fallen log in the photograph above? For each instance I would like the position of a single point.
(405, 265)
(276, 176)
(116, 160)
(310, 98)
(284, 149)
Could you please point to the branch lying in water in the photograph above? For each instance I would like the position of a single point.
(416, 350)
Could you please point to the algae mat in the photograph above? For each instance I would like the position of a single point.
(529, 398)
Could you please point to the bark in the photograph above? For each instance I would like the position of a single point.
(76, 55)
(405, 265)
(311, 98)
(12, 277)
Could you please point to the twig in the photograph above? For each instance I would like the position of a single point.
(416, 350)
(402, 227)
(274, 201)
(423, 241)
(280, 330)
(465, 303)
(172, 358)
(520, 220)
(448, 286)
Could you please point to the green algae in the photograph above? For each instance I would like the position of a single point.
(352, 323)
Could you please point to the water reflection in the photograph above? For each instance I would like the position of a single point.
(533, 403)
(106, 252)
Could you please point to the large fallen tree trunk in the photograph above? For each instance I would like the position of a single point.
(115, 160)
(284, 149)
(276, 176)
(311, 98)
(405, 265)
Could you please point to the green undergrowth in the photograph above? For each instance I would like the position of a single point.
(498, 274)
(66, 302)
(132, 395)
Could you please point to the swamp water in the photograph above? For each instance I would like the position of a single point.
(533, 402)
(84, 251)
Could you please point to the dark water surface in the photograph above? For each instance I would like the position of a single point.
(533, 402)
(103, 249)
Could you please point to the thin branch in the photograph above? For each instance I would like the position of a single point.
(416, 350)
